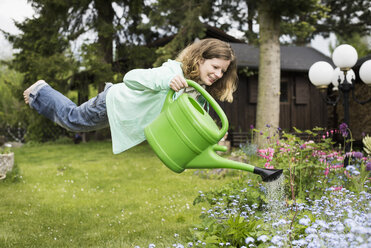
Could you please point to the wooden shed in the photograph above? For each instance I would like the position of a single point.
(301, 103)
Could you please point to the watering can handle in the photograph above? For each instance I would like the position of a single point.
(219, 111)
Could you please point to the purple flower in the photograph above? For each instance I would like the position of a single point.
(251, 126)
(368, 166)
(358, 154)
(343, 129)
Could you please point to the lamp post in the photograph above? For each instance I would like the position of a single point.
(321, 74)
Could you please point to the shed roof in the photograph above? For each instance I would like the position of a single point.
(293, 58)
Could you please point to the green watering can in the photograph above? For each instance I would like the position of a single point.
(184, 136)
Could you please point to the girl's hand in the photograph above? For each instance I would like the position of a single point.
(178, 83)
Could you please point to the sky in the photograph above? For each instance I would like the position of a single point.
(11, 10)
(19, 10)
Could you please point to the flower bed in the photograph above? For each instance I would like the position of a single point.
(318, 202)
(338, 219)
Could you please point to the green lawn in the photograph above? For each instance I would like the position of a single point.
(84, 196)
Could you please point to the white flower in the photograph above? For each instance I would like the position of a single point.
(355, 172)
(311, 237)
(322, 223)
(359, 239)
(300, 242)
(263, 238)
(304, 221)
(310, 230)
(339, 227)
(277, 240)
(350, 168)
(249, 239)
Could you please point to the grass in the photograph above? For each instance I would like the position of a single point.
(67, 195)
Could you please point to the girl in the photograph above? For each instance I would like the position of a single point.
(130, 106)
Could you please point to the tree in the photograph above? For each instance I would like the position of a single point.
(43, 53)
(272, 16)
(345, 18)
(179, 20)
(268, 104)
(44, 45)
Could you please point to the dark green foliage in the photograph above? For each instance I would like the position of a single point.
(180, 20)
(346, 18)
(132, 57)
(232, 225)
(249, 192)
(41, 129)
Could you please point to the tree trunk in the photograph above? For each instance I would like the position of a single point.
(105, 32)
(268, 106)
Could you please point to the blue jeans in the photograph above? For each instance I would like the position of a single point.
(89, 116)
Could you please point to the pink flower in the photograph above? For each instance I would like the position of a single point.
(268, 166)
(327, 171)
(337, 188)
(340, 158)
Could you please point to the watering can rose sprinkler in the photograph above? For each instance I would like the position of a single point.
(184, 136)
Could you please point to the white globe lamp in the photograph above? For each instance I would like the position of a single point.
(320, 74)
(345, 57)
(365, 72)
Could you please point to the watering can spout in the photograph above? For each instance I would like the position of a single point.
(209, 159)
(268, 175)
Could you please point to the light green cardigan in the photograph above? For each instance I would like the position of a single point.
(136, 102)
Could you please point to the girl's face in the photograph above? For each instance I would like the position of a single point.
(212, 69)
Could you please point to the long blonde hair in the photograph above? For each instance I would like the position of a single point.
(208, 49)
